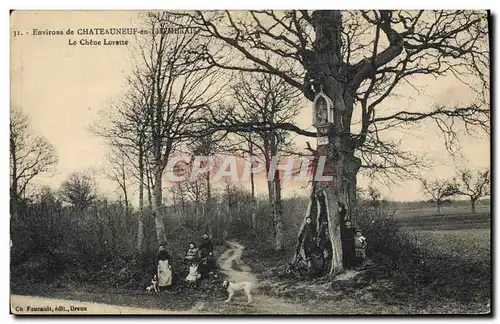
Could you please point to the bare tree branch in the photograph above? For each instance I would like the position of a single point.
(30, 155)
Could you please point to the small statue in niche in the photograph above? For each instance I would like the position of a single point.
(321, 111)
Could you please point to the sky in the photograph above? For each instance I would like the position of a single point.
(62, 89)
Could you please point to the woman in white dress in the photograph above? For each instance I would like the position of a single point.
(164, 268)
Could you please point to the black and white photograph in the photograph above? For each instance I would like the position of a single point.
(250, 162)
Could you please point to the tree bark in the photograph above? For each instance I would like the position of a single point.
(341, 163)
(277, 213)
(325, 67)
(150, 184)
(140, 229)
(274, 190)
(14, 190)
(254, 203)
(342, 166)
(124, 188)
(208, 204)
(156, 208)
(229, 212)
(310, 211)
(252, 188)
(473, 204)
(343, 169)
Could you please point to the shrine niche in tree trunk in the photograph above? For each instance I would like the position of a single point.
(336, 185)
(330, 195)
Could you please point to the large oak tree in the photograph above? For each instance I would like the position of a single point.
(359, 58)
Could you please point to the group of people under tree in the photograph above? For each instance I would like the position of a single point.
(317, 246)
(316, 243)
(201, 262)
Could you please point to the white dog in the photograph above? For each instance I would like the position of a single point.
(154, 285)
(233, 287)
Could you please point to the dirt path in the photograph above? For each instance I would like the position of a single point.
(261, 304)
(231, 256)
(229, 262)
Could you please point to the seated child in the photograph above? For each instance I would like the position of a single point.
(192, 277)
(193, 253)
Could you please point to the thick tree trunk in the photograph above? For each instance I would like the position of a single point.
(276, 207)
(140, 229)
(254, 202)
(274, 190)
(270, 194)
(252, 187)
(325, 67)
(14, 190)
(310, 212)
(341, 165)
(270, 199)
(127, 211)
(254, 214)
(473, 205)
(125, 192)
(341, 189)
(149, 182)
(227, 222)
(333, 192)
(209, 187)
(156, 208)
(208, 205)
(150, 194)
(277, 213)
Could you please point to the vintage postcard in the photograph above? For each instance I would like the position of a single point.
(320, 162)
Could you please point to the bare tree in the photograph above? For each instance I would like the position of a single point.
(249, 149)
(265, 98)
(359, 59)
(176, 85)
(30, 155)
(207, 146)
(117, 172)
(440, 191)
(125, 127)
(374, 195)
(79, 189)
(475, 185)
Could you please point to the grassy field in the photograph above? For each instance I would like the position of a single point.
(460, 236)
(464, 221)
(471, 245)
(446, 210)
